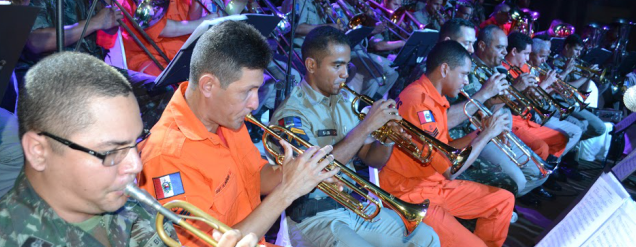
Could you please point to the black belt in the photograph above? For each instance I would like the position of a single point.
(308, 207)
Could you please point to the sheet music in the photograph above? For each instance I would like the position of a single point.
(619, 230)
(627, 166)
(598, 204)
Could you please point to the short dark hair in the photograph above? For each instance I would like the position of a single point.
(317, 42)
(573, 40)
(486, 34)
(58, 89)
(453, 27)
(450, 52)
(519, 41)
(226, 48)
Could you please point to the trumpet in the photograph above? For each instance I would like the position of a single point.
(166, 210)
(537, 105)
(390, 16)
(566, 91)
(500, 142)
(546, 99)
(411, 214)
(521, 107)
(584, 70)
(456, 157)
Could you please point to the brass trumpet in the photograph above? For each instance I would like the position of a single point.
(456, 157)
(166, 210)
(500, 142)
(411, 214)
(517, 103)
(545, 100)
(566, 91)
(537, 105)
(584, 70)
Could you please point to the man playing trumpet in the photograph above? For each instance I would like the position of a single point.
(320, 113)
(200, 150)
(424, 104)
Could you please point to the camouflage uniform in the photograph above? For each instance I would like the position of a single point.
(151, 101)
(27, 220)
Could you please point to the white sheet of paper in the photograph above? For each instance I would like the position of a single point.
(619, 230)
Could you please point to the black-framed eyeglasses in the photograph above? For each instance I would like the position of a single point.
(109, 158)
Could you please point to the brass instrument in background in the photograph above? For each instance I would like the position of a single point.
(410, 213)
(566, 91)
(541, 108)
(411, 146)
(563, 30)
(542, 98)
(501, 143)
(584, 70)
(517, 103)
(393, 17)
(166, 210)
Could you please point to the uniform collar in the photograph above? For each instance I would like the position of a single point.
(188, 123)
(314, 97)
(433, 93)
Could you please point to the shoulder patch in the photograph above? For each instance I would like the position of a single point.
(168, 186)
(35, 241)
(293, 124)
(426, 117)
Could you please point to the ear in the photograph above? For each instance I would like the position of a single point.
(444, 69)
(447, 38)
(36, 149)
(513, 51)
(208, 83)
(311, 65)
(481, 45)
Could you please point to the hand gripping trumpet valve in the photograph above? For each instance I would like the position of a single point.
(410, 213)
(501, 143)
(411, 146)
(166, 210)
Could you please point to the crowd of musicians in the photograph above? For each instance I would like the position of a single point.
(489, 119)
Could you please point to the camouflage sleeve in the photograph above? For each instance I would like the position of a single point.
(44, 18)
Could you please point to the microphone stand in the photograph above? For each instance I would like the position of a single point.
(283, 91)
(59, 26)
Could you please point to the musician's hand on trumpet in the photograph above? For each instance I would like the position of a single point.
(495, 85)
(301, 174)
(107, 19)
(547, 80)
(381, 112)
(233, 239)
(524, 81)
(495, 125)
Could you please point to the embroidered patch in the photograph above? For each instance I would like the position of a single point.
(221, 186)
(426, 117)
(35, 241)
(431, 130)
(168, 186)
(327, 132)
(294, 124)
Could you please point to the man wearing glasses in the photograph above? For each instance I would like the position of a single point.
(78, 123)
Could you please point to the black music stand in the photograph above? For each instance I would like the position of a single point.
(556, 45)
(416, 48)
(15, 36)
(178, 69)
(597, 56)
(357, 35)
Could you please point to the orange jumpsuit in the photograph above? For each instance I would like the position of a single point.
(421, 104)
(218, 173)
(542, 140)
(136, 58)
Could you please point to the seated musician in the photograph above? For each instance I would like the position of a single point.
(423, 103)
(387, 42)
(431, 15)
(319, 112)
(10, 151)
(464, 10)
(492, 43)
(169, 31)
(565, 63)
(500, 17)
(42, 42)
(65, 193)
(200, 150)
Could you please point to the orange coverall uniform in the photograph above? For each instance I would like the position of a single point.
(421, 104)
(542, 140)
(218, 173)
(136, 58)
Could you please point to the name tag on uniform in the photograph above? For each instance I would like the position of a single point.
(35, 241)
(327, 132)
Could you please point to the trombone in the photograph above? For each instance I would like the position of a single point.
(456, 157)
(546, 99)
(166, 210)
(499, 141)
(411, 214)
